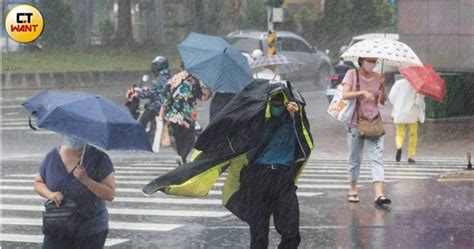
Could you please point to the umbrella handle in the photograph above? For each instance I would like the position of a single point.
(83, 152)
(30, 124)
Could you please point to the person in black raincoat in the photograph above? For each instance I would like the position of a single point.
(262, 139)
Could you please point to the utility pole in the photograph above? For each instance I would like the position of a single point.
(274, 15)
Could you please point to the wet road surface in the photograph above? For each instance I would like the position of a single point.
(424, 213)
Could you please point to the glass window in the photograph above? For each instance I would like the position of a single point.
(247, 45)
(293, 45)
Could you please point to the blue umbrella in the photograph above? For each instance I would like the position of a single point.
(211, 59)
(95, 120)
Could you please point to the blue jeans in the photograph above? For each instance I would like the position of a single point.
(356, 148)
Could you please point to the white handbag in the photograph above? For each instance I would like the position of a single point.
(341, 109)
(158, 131)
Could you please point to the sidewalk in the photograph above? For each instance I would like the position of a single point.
(438, 138)
(58, 80)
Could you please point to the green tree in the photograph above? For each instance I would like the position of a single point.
(124, 35)
(253, 17)
(371, 16)
(58, 31)
(343, 19)
(334, 27)
(216, 15)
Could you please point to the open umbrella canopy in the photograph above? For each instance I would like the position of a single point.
(393, 53)
(95, 120)
(425, 80)
(211, 59)
(284, 64)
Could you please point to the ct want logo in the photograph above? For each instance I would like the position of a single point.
(24, 23)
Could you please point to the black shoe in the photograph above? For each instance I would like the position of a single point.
(411, 160)
(382, 200)
(398, 157)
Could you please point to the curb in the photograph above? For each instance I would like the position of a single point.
(457, 176)
(58, 80)
(462, 119)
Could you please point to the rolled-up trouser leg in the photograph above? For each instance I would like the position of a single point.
(375, 147)
(356, 148)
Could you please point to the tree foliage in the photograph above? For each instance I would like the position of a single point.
(58, 30)
(216, 14)
(253, 17)
(343, 19)
(124, 35)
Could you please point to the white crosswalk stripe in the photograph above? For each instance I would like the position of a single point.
(131, 213)
(109, 243)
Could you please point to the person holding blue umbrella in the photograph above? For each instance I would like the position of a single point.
(77, 172)
(84, 175)
(218, 64)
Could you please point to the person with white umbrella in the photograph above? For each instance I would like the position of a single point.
(366, 87)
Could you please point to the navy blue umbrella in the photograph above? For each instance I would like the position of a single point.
(211, 59)
(97, 121)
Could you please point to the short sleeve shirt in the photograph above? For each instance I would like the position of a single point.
(369, 109)
(93, 212)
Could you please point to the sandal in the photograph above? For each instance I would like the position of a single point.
(353, 198)
(382, 200)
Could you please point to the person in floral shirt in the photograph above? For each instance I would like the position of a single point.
(179, 109)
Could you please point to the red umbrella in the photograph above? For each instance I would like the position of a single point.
(425, 80)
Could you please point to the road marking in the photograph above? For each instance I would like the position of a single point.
(11, 107)
(112, 224)
(39, 239)
(312, 186)
(148, 179)
(137, 191)
(15, 128)
(25, 123)
(170, 166)
(14, 119)
(325, 171)
(391, 177)
(7, 187)
(217, 184)
(157, 168)
(169, 200)
(128, 211)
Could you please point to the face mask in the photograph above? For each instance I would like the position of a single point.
(368, 66)
(73, 143)
(277, 111)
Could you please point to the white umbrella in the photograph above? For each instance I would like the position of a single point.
(393, 53)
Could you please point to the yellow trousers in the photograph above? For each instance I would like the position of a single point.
(413, 137)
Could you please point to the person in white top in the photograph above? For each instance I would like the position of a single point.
(267, 72)
(408, 110)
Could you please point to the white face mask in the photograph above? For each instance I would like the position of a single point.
(73, 143)
(368, 66)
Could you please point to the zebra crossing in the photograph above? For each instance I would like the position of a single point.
(133, 216)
